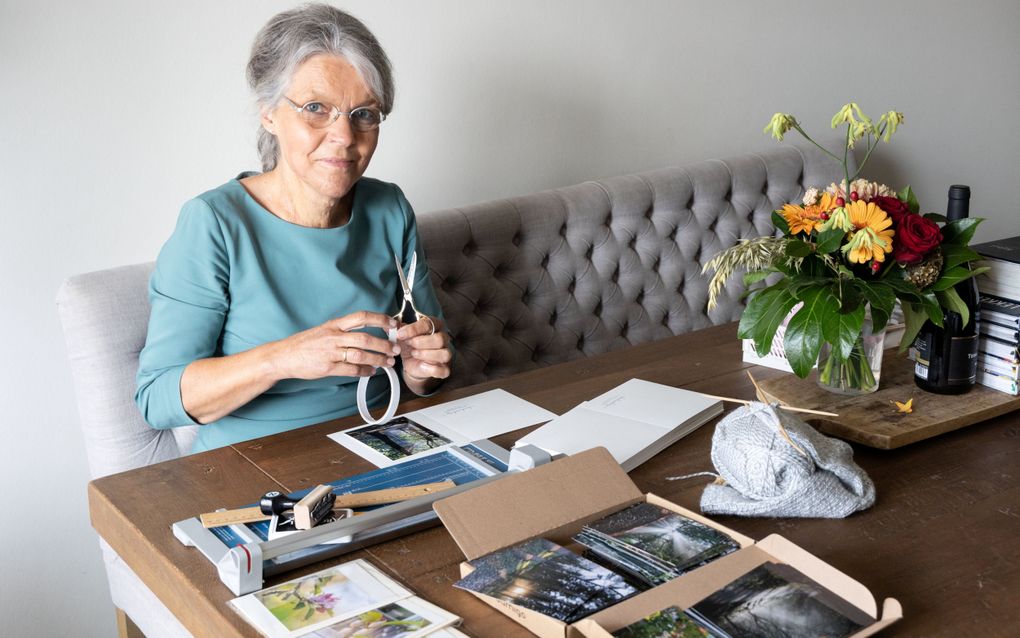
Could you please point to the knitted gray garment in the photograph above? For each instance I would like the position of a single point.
(766, 476)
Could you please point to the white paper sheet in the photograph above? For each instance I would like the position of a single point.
(634, 420)
(459, 422)
(581, 429)
(485, 415)
(653, 403)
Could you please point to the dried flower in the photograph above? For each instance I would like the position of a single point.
(810, 196)
(780, 124)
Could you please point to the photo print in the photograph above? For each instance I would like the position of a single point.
(671, 622)
(398, 438)
(777, 601)
(654, 544)
(544, 577)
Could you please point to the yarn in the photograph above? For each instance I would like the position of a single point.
(775, 464)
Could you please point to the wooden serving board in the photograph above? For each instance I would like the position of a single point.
(873, 419)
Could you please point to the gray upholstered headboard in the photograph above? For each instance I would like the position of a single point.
(544, 278)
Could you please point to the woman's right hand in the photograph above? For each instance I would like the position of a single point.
(335, 348)
(213, 388)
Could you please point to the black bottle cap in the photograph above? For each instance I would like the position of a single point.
(959, 191)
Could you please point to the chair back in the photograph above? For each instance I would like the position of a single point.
(105, 316)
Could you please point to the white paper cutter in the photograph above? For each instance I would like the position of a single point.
(244, 566)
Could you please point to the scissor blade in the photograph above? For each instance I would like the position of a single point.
(403, 278)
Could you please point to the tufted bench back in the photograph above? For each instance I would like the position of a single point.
(567, 273)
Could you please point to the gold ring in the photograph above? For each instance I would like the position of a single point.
(345, 355)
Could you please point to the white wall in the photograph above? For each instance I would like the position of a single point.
(113, 113)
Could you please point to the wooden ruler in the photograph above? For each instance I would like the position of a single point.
(361, 499)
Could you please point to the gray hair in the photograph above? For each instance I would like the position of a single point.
(292, 37)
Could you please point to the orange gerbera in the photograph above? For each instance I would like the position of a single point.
(825, 204)
(871, 236)
(800, 220)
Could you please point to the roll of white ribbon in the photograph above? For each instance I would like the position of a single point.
(391, 409)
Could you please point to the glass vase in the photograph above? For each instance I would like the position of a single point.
(860, 372)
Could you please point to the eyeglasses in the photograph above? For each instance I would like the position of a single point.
(319, 115)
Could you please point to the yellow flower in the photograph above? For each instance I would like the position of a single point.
(871, 236)
(905, 408)
(799, 219)
(845, 114)
(892, 119)
(780, 124)
(823, 204)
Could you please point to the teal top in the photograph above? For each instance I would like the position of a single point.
(234, 276)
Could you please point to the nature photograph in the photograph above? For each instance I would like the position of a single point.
(776, 601)
(391, 621)
(399, 438)
(666, 535)
(308, 601)
(671, 622)
(544, 577)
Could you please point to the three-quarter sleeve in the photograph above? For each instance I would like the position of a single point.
(189, 294)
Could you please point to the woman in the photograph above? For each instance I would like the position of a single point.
(274, 293)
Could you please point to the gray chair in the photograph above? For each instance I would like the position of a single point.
(104, 316)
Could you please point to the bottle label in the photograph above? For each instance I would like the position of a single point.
(963, 360)
(922, 356)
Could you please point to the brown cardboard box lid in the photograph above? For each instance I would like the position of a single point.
(529, 504)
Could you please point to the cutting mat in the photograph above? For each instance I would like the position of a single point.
(873, 419)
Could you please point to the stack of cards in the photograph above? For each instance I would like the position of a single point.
(544, 577)
(352, 599)
(776, 600)
(671, 622)
(653, 544)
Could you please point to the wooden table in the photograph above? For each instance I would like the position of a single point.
(943, 538)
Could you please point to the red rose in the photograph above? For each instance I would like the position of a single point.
(892, 206)
(915, 238)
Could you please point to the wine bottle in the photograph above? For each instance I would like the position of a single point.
(947, 357)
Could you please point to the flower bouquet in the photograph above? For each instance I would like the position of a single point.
(841, 260)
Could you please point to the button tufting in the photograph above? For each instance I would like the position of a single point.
(469, 249)
(552, 318)
(517, 239)
(563, 230)
(640, 297)
(545, 262)
(598, 309)
(588, 253)
(571, 286)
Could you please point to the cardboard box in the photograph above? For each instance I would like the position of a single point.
(554, 501)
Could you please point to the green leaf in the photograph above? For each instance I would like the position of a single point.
(930, 304)
(765, 311)
(959, 232)
(951, 300)
(299, 605)
(956, 255)
(882, 299)
(797, 248)
(935, 217)
(841, 330)
(803, 337)
(906, 195)
(751, 278)
(780, 223)
(914, 317)
(955, 275)
(829, 240)
(311, 612)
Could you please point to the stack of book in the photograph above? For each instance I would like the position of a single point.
(999, 349)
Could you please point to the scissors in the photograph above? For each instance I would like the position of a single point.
(408, 296)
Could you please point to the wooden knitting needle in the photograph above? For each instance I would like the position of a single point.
(785, 407)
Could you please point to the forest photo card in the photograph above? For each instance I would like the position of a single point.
(544, 577)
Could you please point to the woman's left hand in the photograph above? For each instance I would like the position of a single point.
(425, 352)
